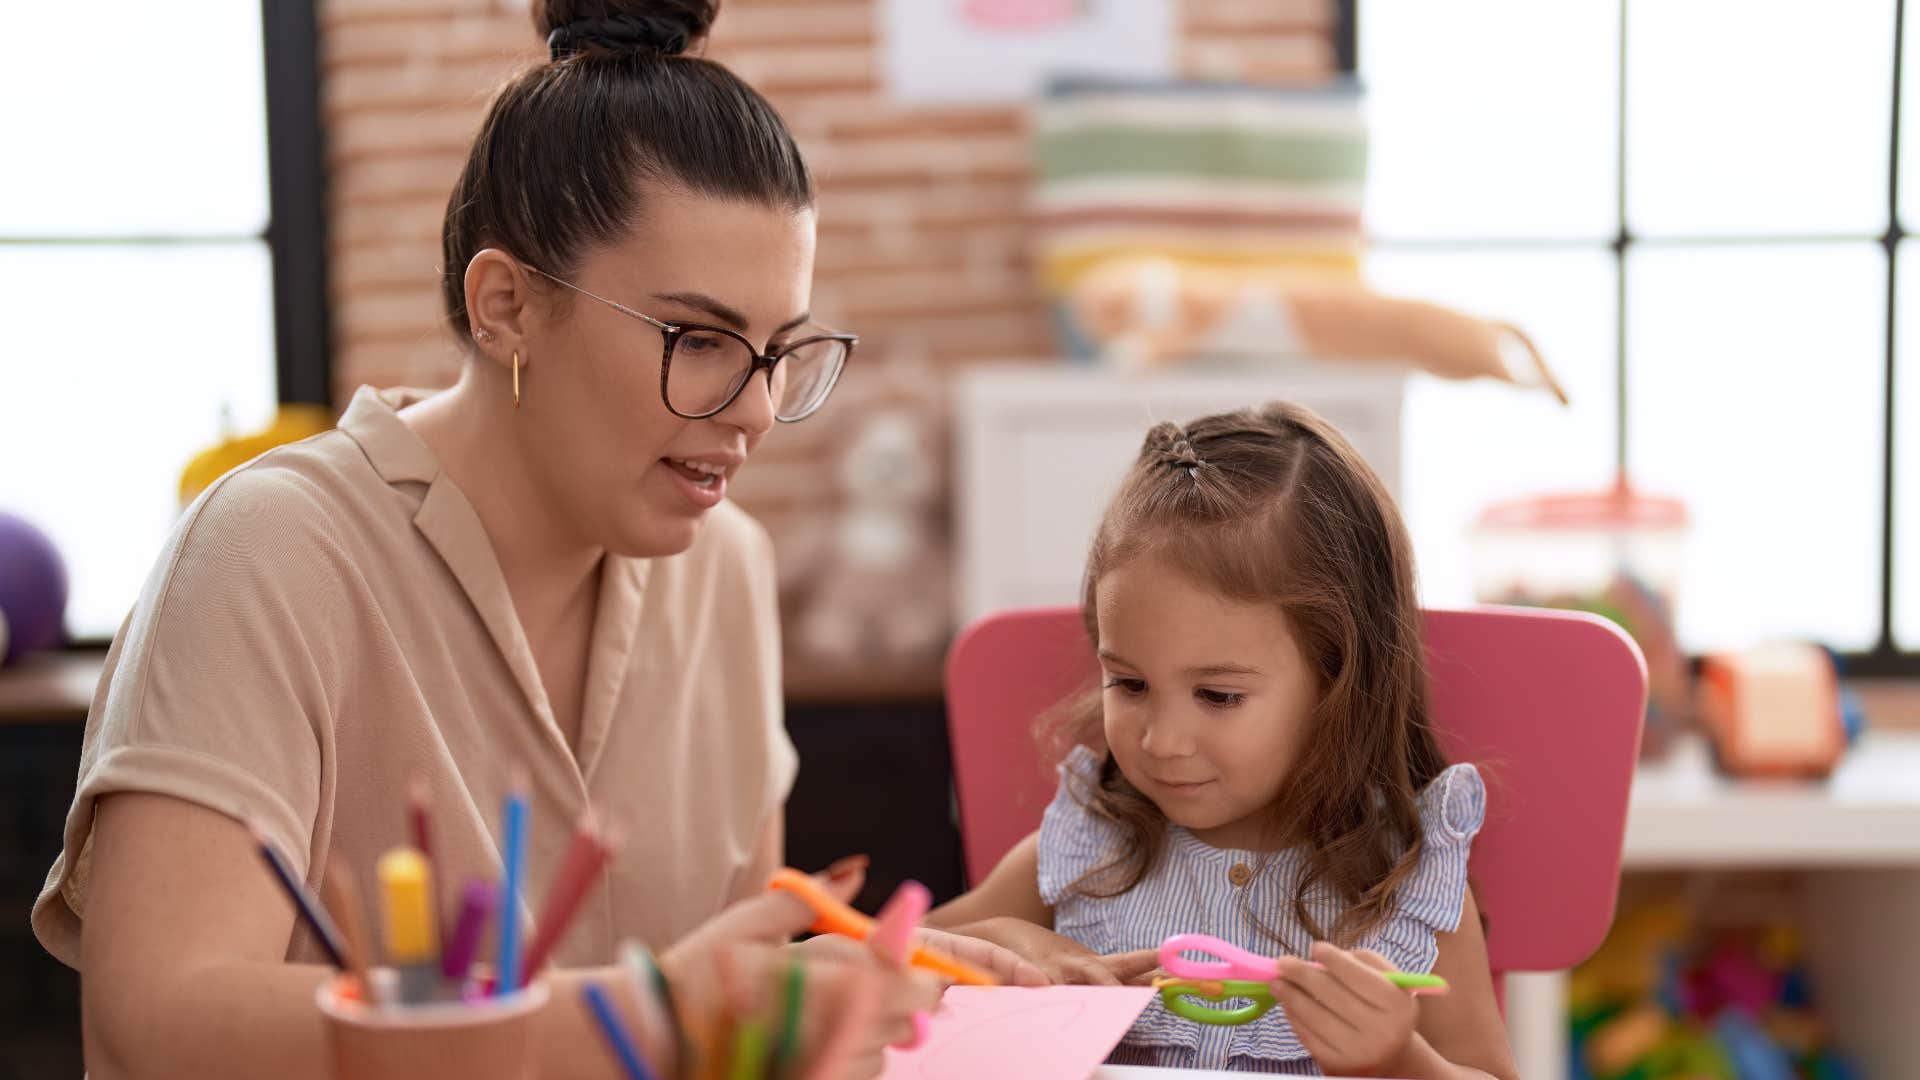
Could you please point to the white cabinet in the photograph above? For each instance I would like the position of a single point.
(1040, 449)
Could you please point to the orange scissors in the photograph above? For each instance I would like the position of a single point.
(833, 917)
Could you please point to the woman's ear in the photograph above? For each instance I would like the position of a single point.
(498, 305)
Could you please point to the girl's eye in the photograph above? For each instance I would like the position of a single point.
(1130, 687)
(1219, 699)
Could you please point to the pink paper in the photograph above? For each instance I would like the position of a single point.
(1021, 1033)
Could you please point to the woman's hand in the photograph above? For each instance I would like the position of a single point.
(1353, 1021)
(1061, 959)
(996, 960)
(856, 1004)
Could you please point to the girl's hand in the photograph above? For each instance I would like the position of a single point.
(1352, 1020)
(1061, 959)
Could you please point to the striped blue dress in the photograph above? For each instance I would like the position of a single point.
(1196, 888)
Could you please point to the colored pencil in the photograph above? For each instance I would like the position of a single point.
(514, 856)
(586, 857)
(303, 900)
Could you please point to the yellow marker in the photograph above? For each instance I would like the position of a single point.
(406, 913)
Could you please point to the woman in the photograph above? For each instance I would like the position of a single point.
(529, 579)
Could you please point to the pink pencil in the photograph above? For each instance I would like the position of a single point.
(585, 859)
(418, 798)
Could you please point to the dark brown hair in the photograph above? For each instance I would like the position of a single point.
(1273, 505)
(567, 147)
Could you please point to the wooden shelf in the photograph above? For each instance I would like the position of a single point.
(43, 687)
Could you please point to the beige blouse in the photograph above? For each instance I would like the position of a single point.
(330, 619)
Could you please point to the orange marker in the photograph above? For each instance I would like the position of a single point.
(830, 916)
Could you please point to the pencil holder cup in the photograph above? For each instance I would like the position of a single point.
(488, 1039)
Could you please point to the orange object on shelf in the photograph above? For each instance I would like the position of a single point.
(1773, 710)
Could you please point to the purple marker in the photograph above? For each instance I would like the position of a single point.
(476, 903)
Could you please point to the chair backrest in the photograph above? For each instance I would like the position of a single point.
(1547, 703)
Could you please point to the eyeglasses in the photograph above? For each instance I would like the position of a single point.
(704, 368)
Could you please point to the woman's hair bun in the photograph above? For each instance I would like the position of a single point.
(667, 27)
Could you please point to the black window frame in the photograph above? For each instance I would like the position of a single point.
(296, 232)
(1886, 659)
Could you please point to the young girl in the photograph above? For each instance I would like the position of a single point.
(1258, 766)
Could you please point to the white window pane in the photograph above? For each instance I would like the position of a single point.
(1491, 118)
(132, 118)
(1755, 393)
(120, 361)
(1758, 117)
(1468, 444)
(1906, 447)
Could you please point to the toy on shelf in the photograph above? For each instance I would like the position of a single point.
(33, 590)
(1661, 1000)
(1214, 222)
(292, 421)
(1776, 710)
(1615, 553)
(1156, 312)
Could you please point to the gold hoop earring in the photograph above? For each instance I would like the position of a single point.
(516, 378)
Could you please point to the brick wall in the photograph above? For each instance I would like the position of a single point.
(921, 209)
(920, 245)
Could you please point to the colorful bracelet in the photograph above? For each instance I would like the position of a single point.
(786, 1053)
(657, 1001)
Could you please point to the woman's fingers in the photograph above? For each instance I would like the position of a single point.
(1002, 963)
(844, 877)
(776, 916)
(850, 1018)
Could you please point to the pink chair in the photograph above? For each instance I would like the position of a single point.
(1547, 703)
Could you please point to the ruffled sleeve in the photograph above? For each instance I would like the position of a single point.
(1073, 839)
(1452, 809)
(1430, 901)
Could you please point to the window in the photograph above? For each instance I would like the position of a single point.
(143, 272)
(1694, 209)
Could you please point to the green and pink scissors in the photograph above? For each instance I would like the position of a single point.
(1238, 974)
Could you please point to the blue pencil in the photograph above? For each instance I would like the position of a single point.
(619, 1040)
(515, 858)
(315, 914)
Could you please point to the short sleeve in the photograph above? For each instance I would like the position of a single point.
(1452, 809)
(217, 689)
(1073, 840)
